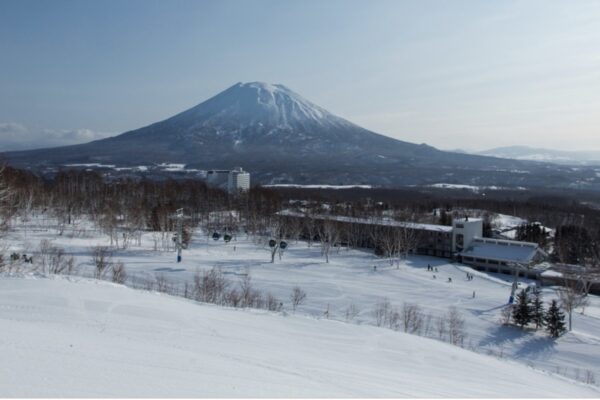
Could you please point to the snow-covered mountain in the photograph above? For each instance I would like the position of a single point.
(546, 155)
(259, 106)
(280, 137)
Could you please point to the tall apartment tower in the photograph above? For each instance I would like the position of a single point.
(238, 180)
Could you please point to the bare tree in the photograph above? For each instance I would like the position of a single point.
(456, 326)
(588, 273)
(4, 197)
(572, 296)
(249, 296)
(407, 239)
(329, 236)
(119, 275)
(381, 312)
(506, 314)
(412, 318)
(351, 312)
(272, 303)
(310, 227)
(210, 286)
(60, 263)
(162, 284)
(101, 260)
(233, 297)
(442, 327)
(297, 297)
(54, 260)
(388, 242)
(427, 325)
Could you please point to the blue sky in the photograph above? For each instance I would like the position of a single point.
(453, 74)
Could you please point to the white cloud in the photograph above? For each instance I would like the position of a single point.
(16, 136)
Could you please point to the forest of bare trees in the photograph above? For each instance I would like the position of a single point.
(124, 208)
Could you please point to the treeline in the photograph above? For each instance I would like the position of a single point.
(142, 204)
(137, 205)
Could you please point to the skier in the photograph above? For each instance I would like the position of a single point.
(374, 267)
(449, 279)
(473, 294)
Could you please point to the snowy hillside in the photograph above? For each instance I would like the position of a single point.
(347, 283)
(64, 338)
(262, 104)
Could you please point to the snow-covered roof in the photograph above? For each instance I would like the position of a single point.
(371, 221)
(502, 250)
(552, 274)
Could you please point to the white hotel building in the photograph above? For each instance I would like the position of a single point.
(234, 181)
(238, 180)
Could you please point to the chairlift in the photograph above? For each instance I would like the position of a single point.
(216, 236)
(272, 243)
(282, 245)
(227, 238)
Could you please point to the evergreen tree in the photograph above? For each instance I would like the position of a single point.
(555, 320)
(522, 309)
(532, 233)
(537, 309)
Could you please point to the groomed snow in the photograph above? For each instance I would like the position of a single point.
(348, 279)
(291, 185)
(80, 338)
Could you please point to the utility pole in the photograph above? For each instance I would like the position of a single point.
(515, 283)
(517, 267)
(179, 218)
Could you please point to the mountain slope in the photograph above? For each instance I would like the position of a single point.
(282, 138)
(110, 341)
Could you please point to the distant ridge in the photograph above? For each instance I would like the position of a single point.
(547, 155)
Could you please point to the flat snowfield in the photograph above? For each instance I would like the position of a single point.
(81, 338)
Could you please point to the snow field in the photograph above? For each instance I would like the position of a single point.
(73, 337)
(349, 279)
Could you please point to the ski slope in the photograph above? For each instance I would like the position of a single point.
(349, 280)
(73, 337)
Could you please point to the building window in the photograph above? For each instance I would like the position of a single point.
(460, 241)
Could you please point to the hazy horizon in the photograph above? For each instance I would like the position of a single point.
(465, 75)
